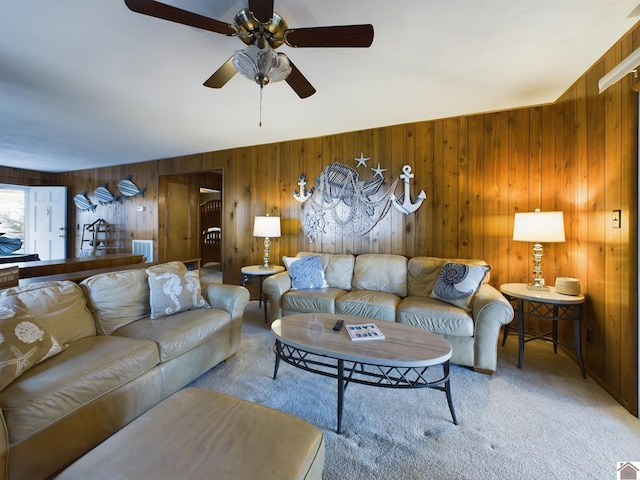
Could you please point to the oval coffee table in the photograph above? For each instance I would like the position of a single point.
(401, 360)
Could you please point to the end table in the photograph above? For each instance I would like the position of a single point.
(548, 305)
(255, 275)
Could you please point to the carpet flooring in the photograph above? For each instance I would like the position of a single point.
(543, 421)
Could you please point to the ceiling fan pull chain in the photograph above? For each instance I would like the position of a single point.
(260, 124)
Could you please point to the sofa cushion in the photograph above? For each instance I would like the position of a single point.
(366, 303)
(88, 369)
(321, 300)
(59, 306)
(180, 332)
(305, 272)
(338, 268)
(173, 289)
(435, 316)
(117, 298)
(23, 342)
(382, 273)
(457, 283)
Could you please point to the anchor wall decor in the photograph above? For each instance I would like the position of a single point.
(304, 194)
(405, 206)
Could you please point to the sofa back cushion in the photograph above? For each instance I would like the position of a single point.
(338, 268)
(381, 272)
(423, 273)
(117, 298)
(60, 307)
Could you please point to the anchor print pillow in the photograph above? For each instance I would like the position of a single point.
(173, 289)
(457, 283)
(23, 341)
(305, 272)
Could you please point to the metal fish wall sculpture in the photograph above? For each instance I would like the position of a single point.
(104, 196)
(130, 189)
(82, 202)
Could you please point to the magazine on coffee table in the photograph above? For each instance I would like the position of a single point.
(364, 331)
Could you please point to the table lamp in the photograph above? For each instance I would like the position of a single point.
(267, 227)
(538, 227)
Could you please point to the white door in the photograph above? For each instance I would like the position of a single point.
(47, 222)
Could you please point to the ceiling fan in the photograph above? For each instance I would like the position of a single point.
(263, 30)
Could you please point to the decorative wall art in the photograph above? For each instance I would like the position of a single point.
(341, 201)
(130, 189)
(82, 202)
(404, 204)
(103, 195)
(304, 194)
(348, 205)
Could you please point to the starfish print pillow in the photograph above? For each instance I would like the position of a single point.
(23, 342)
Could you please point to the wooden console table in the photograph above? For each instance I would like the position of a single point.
(78, 276)
(77, 264)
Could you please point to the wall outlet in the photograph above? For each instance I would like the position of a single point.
(615, 219)
(140, 208)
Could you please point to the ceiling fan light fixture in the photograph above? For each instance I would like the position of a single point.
(261, 65)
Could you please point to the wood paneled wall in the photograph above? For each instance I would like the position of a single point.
(578, 155)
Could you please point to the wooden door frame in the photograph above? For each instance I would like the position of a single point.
(197, 180)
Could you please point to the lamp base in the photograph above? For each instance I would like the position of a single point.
(537, 289)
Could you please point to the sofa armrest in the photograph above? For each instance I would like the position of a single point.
(274, 287)
(232, 299)
(4, 449)
(490, 312)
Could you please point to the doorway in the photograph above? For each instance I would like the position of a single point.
(183, 227)
(37, 217)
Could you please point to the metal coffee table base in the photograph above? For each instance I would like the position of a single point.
(366, 374)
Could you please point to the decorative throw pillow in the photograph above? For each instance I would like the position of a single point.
(305, 272)
(23, 341)
(457, 283)
(173, 289)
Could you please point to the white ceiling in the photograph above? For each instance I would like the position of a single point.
(85, 84)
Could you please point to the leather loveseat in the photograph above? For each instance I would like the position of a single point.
(126, 345)
(399, 289)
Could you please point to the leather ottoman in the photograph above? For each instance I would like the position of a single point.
(200, 434)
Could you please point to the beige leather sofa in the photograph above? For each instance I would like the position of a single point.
(395, 288)
(117, 364)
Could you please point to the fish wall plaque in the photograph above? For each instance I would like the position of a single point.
(104, 196)
(130, 189)
(82, 202)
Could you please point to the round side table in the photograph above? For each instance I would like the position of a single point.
(548, 305)
(255, 275)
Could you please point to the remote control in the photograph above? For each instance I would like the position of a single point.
(338, 325)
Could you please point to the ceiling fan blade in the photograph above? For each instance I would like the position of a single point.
(262, 10)
(338, 36)
(299, 83)
(222, 75)
(174, 14)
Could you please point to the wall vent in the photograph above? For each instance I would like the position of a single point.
(143, 247)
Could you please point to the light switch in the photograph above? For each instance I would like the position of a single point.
(615, 219)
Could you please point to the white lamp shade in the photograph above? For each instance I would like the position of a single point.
(266, 227)
(539, 227)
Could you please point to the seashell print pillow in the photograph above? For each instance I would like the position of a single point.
(457, 283)
(173, 289)
(23, 341)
